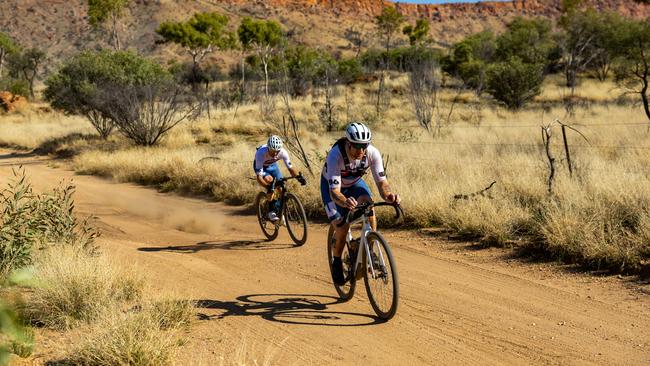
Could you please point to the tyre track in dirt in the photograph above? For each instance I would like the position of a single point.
(457, 306)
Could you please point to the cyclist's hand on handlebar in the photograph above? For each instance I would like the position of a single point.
(350, 202)
(393, 198)
(300, 178)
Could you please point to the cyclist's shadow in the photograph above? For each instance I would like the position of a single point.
(287, 308)
(260, 244)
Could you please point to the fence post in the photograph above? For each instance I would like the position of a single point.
(566, 150)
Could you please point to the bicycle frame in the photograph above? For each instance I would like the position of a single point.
(363, 245)
(282, 197)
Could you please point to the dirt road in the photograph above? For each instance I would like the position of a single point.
(459, 305)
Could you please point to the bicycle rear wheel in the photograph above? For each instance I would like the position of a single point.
(381, 277)
(296, 219)
(345, 291)
(269, 229)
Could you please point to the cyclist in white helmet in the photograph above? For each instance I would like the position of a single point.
(267, 170)
(342, 186)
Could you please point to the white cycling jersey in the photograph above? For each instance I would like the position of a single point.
(263, 159)
(339, 174)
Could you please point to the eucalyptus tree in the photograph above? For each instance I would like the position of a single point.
(264, 38)
(102, 11)
(201, 35)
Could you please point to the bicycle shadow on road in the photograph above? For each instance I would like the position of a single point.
(289, 309)
(223, 245)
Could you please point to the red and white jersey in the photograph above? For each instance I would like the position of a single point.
(339, 171)
(263, 159)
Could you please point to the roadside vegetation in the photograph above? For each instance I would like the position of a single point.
(555, 113)
(53, 276)
(536, 138)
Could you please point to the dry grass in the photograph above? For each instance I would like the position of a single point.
(73, 288)
(132, 338)
(30, 128)
(119, 323)
(597, 218)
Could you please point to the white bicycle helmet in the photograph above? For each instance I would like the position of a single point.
(274, 143)
(358, 133)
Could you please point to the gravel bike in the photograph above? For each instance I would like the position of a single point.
(291, 213)
(375, 262)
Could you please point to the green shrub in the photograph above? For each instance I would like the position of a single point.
(82, 84)
(30, 221)
(15, 86)
(514, 83)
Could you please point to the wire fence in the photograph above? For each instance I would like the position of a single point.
(478, 162)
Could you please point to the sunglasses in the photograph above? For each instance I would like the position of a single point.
(359, 146)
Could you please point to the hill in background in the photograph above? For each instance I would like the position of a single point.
(60, 27)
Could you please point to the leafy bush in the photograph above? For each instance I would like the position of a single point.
(529, 40)
(79, 86)
(15, 86)
(399, 59)
(15, 338)
(30, 221)
(514, 83)
(349, 70)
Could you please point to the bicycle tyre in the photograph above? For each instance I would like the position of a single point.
(346, 291)
(384, 311)
(297, 218)
(269, 229)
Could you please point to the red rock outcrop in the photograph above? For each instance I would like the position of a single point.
(10, 102)
(60, 27)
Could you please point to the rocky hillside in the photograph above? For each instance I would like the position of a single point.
(61, 28)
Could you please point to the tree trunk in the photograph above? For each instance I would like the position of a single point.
(30, 81)
(31, 88)
(266, 76)
(644, 97)
(243, 70)
(2, 59)
(115, 36)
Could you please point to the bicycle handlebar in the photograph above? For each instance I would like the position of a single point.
(280, 182)
(365, 207)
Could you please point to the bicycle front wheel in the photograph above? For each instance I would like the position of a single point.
(269, 229)
(345, 291)
(381, 277)
(296, 219)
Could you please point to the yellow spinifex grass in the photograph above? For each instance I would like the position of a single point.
(30, 128)
(597, 217)
(72, 288)
(131, 338)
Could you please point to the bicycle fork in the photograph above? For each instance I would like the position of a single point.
(374, 259)
(363, 245)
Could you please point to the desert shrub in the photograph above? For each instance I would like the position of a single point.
(30, 221)
(349, 70)
(172, 313)
(15, 86)
(72, 287)
(132, 338)
(514, 83)
(145, 113)
(15, 337)
(78, 87)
